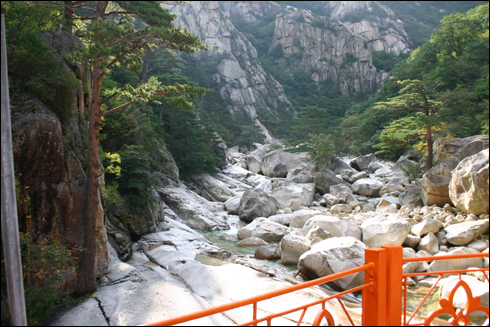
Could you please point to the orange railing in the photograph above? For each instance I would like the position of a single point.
(384, 283)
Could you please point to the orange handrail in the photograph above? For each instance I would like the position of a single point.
(382, 292)
(254, 300)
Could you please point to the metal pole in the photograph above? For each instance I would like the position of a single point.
(10, 227)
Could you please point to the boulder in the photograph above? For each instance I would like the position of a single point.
(466, 232)
(292, 247)
(246, 232)
(232, 204)
(338, 208)
(282, 219)
(362, 162)
(391, 229)
(412, 195)
(347, 173)
(334, 255)
(330, 200)
(280, 170)
(429, 243)
(335, 226)
(358, 176)
(412, 240)
(271, 159)
(293, 195)
(256, 203)
(251, 242)
(324, 179)
(391, 187)
(426, 226)
(338, 165)
(343, 192)
(268, 252)
(445, 147)
(269, 231)
(299, 218)
(302, 177)
(373, 166)
(367, 187)
(254, 160)
(435, 182)
(468, 187)
(456, 264)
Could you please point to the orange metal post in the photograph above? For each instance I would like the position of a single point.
(374, 298)
(394, 284)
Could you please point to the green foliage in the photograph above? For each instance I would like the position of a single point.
(386, 61)
(411, 170)
(44, 264)
(323, 150)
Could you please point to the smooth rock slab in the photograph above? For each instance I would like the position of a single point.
(367, 187)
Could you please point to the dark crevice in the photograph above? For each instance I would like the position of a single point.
(102, 310)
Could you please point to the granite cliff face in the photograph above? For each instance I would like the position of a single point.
(339, 50)
(379, 27)
(240, 76)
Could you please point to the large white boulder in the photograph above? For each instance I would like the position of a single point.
(391, 229)
(335, 226)
(269, 231)
(367, 187)
(254, 160)
(468, 188)
(291, 160)
(293, 195)
(426, 226)
(335, 255)
(456, 264)
(466, 232)
(299, 218)
(292, 247)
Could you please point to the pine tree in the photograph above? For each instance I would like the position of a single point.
(415, 97)
(112, 38)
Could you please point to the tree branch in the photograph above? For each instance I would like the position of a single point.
(409, 140)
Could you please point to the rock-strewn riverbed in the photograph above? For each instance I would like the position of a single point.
(302, 218)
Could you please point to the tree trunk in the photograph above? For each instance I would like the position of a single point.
(428, 136)
(68, 26)
(86, 277)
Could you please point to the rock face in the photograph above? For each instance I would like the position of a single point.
(334, 255)
(435, 182)
(242, 79)
(468, 188)
(256, 203)
(49, 161)
(326, 53)
(196, 211)
(395, 39)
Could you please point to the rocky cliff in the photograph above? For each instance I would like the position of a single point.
(240, 75)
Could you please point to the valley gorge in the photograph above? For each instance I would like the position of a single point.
(263, 213)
